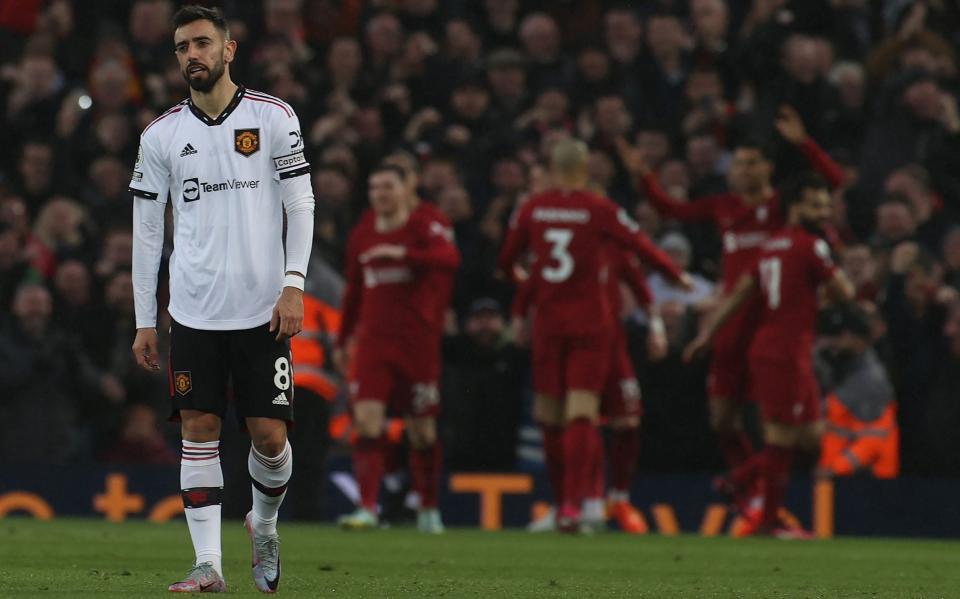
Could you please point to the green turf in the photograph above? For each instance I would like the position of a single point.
(84, 558)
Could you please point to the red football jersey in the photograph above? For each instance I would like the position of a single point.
(625, 269)
(791, 267)
(567, 234)
(399, 298)
(743, 228)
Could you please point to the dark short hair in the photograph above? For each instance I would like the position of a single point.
(390, 168)
(792, 191)
(753, 143)
(194, 12)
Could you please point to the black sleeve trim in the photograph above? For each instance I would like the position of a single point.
(303, 170)
(147, 195)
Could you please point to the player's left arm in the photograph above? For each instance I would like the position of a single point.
(746, 287)
(838, 286)
(518, 239)
(291, 173)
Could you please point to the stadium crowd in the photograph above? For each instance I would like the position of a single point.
(478, 91)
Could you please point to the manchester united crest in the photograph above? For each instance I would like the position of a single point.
(182, 382)
(246, 141)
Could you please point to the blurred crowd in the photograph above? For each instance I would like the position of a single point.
(476, 90)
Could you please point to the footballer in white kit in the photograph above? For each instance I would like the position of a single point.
(231, 162)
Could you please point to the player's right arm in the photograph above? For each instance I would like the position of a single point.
(149, 185)
(517, 241)
(746, 287)
(702, 209)
(352, 293)
(618, 225)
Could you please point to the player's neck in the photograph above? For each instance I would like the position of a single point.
(385, 223)
(570, 184)
(214, 102)
(755, 198)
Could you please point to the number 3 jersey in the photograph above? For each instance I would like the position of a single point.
(568, 234)
(792, 266)
(227, 178)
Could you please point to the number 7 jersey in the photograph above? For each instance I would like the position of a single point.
(792, 266)
(566, 233)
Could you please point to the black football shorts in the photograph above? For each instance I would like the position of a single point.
(208, 368)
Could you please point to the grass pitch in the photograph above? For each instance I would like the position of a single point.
(86, 558)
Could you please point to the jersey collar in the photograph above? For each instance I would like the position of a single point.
(205, 118)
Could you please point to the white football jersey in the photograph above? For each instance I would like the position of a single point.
(225, 177)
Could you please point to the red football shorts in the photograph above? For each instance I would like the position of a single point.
(785, 390)
(728, 376)
(621, 397)
(396, 374)
(562, 363)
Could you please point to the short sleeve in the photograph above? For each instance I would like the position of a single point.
(151, 175)
(821, 260)
(286, 146)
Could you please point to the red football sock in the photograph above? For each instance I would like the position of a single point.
(581, 449)
(553, 458)
(624, 449)
(776, 474)
(368, 457)
(425, 467)
(736, 448)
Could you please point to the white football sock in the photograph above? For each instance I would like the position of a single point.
(270, 477)
(201, 484)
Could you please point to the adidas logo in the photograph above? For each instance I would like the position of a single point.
(187, 150)
(281, 400)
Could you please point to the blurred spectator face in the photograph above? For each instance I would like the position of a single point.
(419, 8)
(859, 264)
(894, 221)
(924, 100)
(109, 177)
(678, 248)
(710, 19)
(72, 283)
(508, 82)
(918, 284)
(342, 156)
(282, 16)
(439, 175)
(274, 55)
(703, 154)
(665, 36)
(703, 85)
(462, 41)
(470, 101)
(850, 80)
(654, 145)
(624, 35)
(611, 117)
(345, 59)
(648, 218)
(593, 65)
(485, 328)
(550, 139)
(921, 200)
(10, 250)
(32, 307)
(541, 37)
(119, 293)
(801, 59)
(59, 221)
(387, 193)
(384, 36)
(554, 104)
(951, 249)
(951, 330)
(750, 171)
(118, 248)
(332, 187)
(113, 132)
(601, 169)
(368, 125)
(150, 22)
(454, 201)
(110, 85)
(13, 211)
(500, 12)
(674, 176)
(920, 58)
(38, 75)
(36, 166)
(508, 177)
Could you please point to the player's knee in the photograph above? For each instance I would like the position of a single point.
(199, 427)
(422, 432)
(368, 419)
(622, 423)
(582, 404)
(547, 410)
